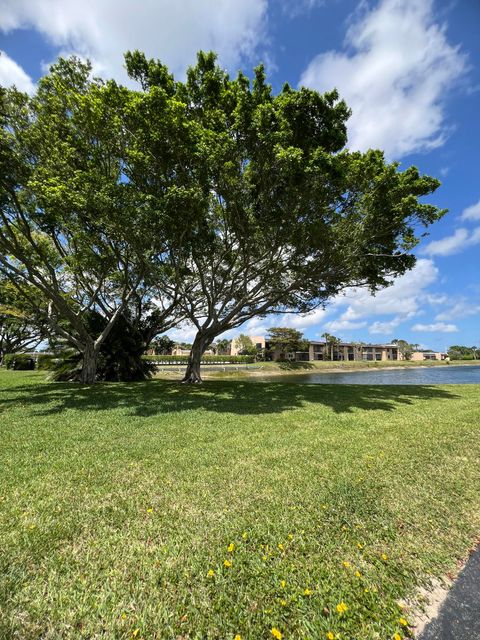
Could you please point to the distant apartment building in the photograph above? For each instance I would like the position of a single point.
(428, 355)
(318, 350)
(353, 351)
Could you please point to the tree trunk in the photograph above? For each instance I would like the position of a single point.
(192, 373)
(89, 367)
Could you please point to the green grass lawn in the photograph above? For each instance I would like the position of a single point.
(155, 510)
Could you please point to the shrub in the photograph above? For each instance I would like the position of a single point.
(119, 359)
(46, 361)
(19, 361)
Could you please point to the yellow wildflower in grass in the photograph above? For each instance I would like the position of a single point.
(397, 636)
(227, 563)
(384, 556)
(135, 633)
(357, 574)
(341, 608)
(330, 636)
(244, 535)
(290, 536)
(359, 545)
(307, 592)
(403, 622)
(150, 510)
(210, 573)
(276, 633)
(346, 564)
(124, 616)
(367, 590)
(280, 546)
(238, 637)
(231, 548)
(283, 603)
(283, 583)
(264, 558)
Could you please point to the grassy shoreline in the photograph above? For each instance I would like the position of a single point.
(120, 504)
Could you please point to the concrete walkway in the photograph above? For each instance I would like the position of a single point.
(459, 616)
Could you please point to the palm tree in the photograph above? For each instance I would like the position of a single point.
(331, 342)
(223, 346)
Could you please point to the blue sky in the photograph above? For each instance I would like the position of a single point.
(409, 69)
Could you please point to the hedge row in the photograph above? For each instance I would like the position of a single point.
(25, 361)
(205, 359)
(19, 361)
(45, 361)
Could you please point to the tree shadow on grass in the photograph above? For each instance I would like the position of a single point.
(158, 397)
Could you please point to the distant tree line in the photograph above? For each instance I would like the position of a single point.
(460, 352)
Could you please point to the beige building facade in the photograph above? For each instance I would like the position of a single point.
(318, 350)
(353, 351)
(421, 356)
(258, 342)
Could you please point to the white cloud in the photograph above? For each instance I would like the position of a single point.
(402, 299)
(344, 325)
(394, 72)
(472, 212)
(436, 299)
(436, 327)
(461, 239)
(172, 31)
(386, 328)
(12, 73)
(183, 333)
(459, 309)
(300, 322)
(298, 7)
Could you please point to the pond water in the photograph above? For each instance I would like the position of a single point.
(462, 374)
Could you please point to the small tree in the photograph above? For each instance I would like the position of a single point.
(223, 347)
(287, 340)
(163, 345)
(245, 345)
(405, 348)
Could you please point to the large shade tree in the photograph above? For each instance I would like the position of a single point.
(285, 217)
(74, 226)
